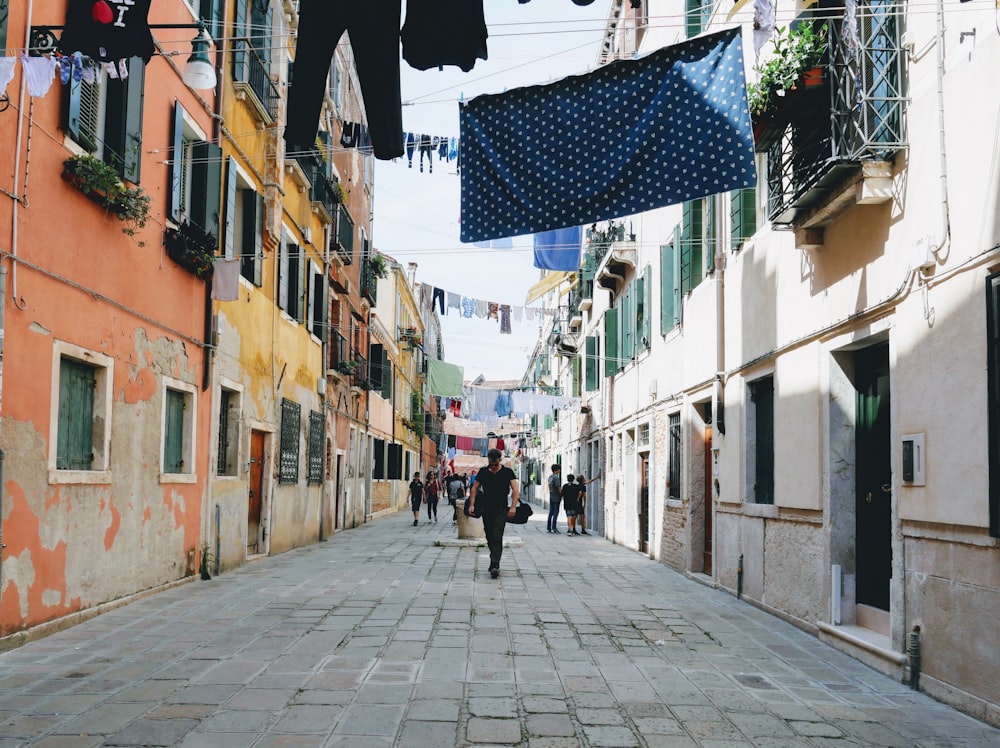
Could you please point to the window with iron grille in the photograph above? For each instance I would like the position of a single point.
(674, 469)
(317, 433)
(760, 440)
(288, 460)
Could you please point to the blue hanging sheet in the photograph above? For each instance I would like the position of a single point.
(628, 137)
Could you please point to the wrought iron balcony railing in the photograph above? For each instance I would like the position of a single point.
(342, 240)
(369, 281)
(251, 72)
(856, 116)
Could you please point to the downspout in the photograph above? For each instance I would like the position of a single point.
(15, 197)
(938, 246)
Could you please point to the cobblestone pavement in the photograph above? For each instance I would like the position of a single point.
(379, 637)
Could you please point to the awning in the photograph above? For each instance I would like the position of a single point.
(546, 284)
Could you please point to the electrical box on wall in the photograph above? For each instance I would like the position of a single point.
(912, 456)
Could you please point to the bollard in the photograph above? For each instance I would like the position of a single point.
(739, 579)
(914, 653)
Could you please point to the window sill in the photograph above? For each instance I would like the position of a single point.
(87, 477)
(767, 511)
(178, 478)
(675, 503)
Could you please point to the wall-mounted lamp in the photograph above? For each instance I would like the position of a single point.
(199, 73)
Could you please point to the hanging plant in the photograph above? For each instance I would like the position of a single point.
(380, 269)
(796, 52)
(193, 249)
(100, 182)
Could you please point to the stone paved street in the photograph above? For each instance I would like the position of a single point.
(380, 637)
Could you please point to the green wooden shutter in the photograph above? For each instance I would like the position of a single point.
(376, 352)
(386, 390)
(283, 267)
(667, 313)
(132, 135)
(692, 17)
(610, 342)
(83, 112)
(257, 236)
(711, 236)
(626, 326)
(691, 246)
(240, 42)
(206, 186)
(743, 216)
(577, 365)
(177, 164)
(644, 310)
(319, 304)
(75, 437)
(173, 436)
(229, 230)
(211, 13)
(590, 381)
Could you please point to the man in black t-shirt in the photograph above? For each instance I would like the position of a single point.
(571, 501)
(493, 484)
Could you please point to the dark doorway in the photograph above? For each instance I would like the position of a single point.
(707, 554)
(254, 500)
(644, 503)
(873, 492)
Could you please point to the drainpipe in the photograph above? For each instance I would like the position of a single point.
(938, 245)
(2, 546)
(16, 187)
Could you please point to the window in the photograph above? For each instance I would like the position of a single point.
(288, 460)
(195, 176)
(81, 421)
(611, 352)
(395, 470)
(290, 286)
(742, 216)
(244, 229)
(178, 437)
(760, 440)
(210, 11)
(381, 370)
(317, 435)
(227, 459)
(644, 435)
(674, 469)
(691, 246)
(993, 397)
(696, 16)
(105, 118)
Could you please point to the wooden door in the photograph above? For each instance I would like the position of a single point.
(254, 500)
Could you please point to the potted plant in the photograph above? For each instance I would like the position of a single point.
(193, 249)
(100, 182)
(347, 367)
(380, 268)
(794, 64)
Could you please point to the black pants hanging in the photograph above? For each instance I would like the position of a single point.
(374, 30)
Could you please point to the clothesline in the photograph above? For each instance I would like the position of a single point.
(469, 307)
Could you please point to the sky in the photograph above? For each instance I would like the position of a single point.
(416, 214)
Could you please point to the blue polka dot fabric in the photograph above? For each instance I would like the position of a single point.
(628, 137)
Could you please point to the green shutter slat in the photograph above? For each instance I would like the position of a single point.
(645, 311)
(132, 135)
(176, 163)
(173, 438)
(743, 216)
(666, 288)
(229, 230)
(591, 370)
(710, 235)
(610, 342)
(74, 440)
(206, 186)
(692, 17)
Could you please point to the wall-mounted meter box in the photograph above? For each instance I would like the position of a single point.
(913, 459)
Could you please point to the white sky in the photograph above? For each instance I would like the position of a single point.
(416, 214)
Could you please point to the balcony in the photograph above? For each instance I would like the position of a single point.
(252, 80)
(342, 240)
(369, 280)
(831, 147)
(617, 266)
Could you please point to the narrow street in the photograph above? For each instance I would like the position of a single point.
(379, 637)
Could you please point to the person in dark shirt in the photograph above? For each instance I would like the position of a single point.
(416, 497)
(555, 498)
(571, 502)
(494, 483)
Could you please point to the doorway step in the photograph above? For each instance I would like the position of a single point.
(872, 647)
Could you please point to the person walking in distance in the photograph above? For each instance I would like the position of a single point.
(555, 499)
(455, 488)
(416, 497)
(493, 485)
(582, 514)
(432, 490)
(571, 502)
